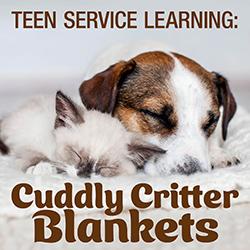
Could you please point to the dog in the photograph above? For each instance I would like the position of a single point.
(184, 108)
(58, 132)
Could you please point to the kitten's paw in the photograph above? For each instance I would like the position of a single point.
(221, 158)
(42, 168)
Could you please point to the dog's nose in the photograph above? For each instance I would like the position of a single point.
(191, 166)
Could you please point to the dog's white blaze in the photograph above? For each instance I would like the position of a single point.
(192, 101)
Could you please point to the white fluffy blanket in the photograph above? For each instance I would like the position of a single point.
(16, 230)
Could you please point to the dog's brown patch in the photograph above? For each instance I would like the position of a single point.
(194, 67)
(146, 92)
(205, 76)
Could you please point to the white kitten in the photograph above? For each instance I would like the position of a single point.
(58, 131)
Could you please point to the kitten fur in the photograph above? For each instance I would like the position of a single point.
(65, 134)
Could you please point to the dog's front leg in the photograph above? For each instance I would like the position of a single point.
(219, 156)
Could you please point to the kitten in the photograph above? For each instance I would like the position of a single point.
(60, 132)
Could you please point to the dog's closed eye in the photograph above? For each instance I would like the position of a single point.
(163, 117)
(211, 123)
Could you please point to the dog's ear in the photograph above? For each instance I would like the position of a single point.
(226, 100)
(140, 152)
(100, 92)
(67, 112)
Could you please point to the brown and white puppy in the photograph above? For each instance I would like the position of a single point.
(174, 100)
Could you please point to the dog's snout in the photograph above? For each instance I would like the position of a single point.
(191, 166)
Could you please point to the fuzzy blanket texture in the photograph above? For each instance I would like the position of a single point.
(16, 229)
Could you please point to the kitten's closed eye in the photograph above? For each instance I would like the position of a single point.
(71, 156)
(77, 155)
(108, 171)
(101, 167)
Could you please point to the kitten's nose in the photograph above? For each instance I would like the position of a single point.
(86, 170)
(191, 166)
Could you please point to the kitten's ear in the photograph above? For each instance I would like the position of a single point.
(67, 112)
(140, 152)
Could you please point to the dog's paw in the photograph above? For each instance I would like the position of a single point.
(221, 158)
(42, 168)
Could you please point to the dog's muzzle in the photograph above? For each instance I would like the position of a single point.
(190, 166)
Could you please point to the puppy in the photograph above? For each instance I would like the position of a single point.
(56, 131)
(182, 106)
